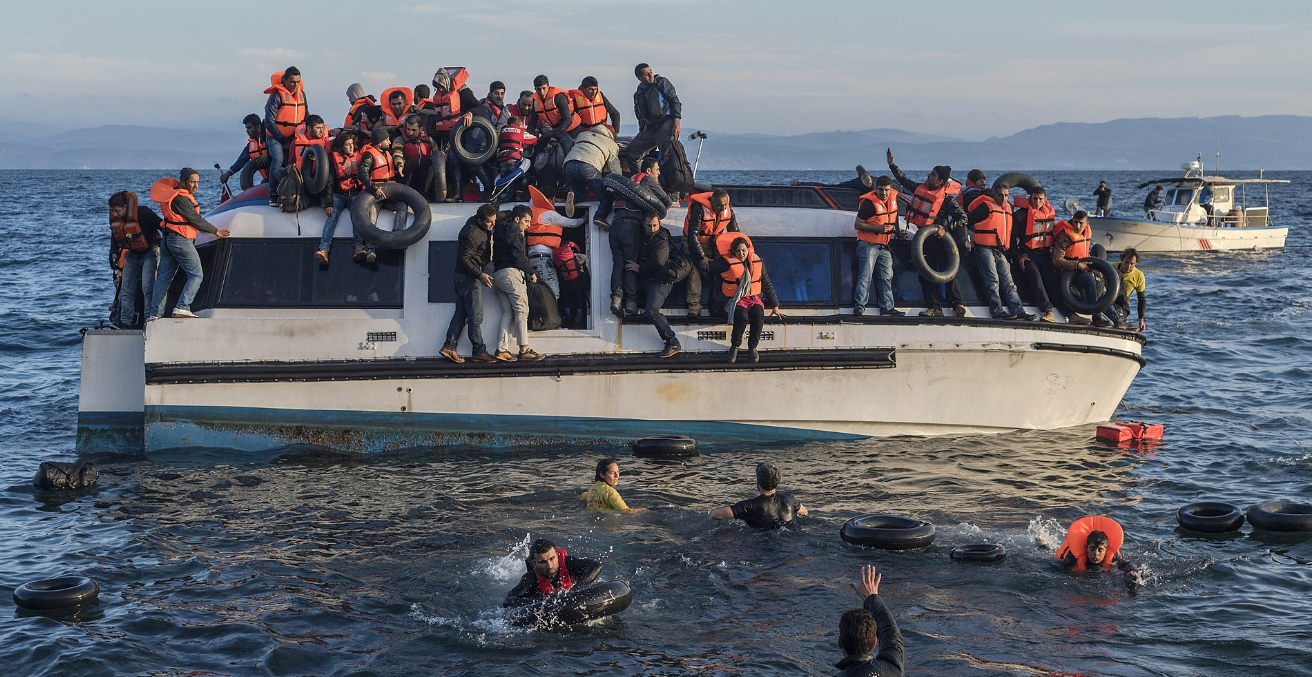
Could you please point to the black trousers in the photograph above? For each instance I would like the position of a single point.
(1041, 278)
(742, 317)
(937, 257)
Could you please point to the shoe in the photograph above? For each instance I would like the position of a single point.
(1027, 317)
(273, 201)
(694, 311)
(1047, 317)
(931, 312)
(862, 174)
(858, 310)
(733, 354)
(484, 357)
(1005, 316)
(321, 256)
(616, 306)
(892, 313)
(1077, 319)
(359, 253)
(371, 257)
(959, 309)
(631, 309)
(530, 355)
(754, 355)
(671, 349)
(569, 204)
(505, 356)
(1102, 321)
(179, 312)
(601, 223)
(451, 354)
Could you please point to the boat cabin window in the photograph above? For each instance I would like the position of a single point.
(1180, 196)
(281, 273)
(1221, 193)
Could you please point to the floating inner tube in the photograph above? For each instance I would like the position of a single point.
(1281, 516)
(1111, 279)
(922, 264)
(638, 196)
(1210, 517)
(247, 177)
(315, 158)
(982, 552)
(56, 593)
(476, 142)
(579, 605)
(1016, 180)
(438, 158)
(888, 532)
(665, 446)
(364, 215)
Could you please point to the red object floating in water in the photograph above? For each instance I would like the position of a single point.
(1129, 432)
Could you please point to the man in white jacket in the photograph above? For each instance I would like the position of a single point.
(594, 155)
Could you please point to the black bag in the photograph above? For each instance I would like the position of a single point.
(677, 267)
(543, 314)
(291, 191)
(676, 173)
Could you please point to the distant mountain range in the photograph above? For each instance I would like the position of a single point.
(1270, 142)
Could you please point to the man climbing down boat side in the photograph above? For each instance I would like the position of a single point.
(513, 273)
(182, 220)
(473, 253)
(660, 266)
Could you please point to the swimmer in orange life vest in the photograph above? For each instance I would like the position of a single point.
(1095, 541)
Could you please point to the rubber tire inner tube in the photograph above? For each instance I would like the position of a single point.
(1281, 516)
(438, 158)
(1017, 180)
(664, 446)
(458, 137)
(635, 193)
(364, 216)
(1112, 287)
(56, 593)
(1209, 517)
(315, 181)
(578, 605)
(927, 271)
(980, 552)
(888, 532)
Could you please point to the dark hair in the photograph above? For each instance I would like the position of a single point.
(1079, 216)
(637, 70)
(1038, 190)
(187, 172)
(588, 82)
(486, 210)
(1130, 251)
(290, 71)
(649, 162)
(646, 216)
(496, 84)
(398, 94)
(422, 92)
(526, 92)
(540, 80)
(732, 246)
(312, 120)
(118, 200)
(520, 211)
(339, 143)
(856, 632)
(720, 193)
(1096, 538)
(515, 120)
(602, 465)
(883, 181)
(251, 119)
(767, 474)
(540, 546)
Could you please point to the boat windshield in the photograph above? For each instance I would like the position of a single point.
(1180, 196)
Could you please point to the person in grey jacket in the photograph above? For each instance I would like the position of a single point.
(594, 155)
(657, 107)
(861, 631)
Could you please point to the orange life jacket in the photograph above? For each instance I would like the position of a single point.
(712, 224)
(1077, 540)
(291, 112)
(127, 233)
(448, 105)
(163, 192)
(1036, 230)
(347, 167)
(729, 278)
(384, 170)
(1079, 247)
(255, 149)
(995, 230)
(925, 203)
(539, 232)
(885, 215)
(355, 108)
(725, 240)
(303, 141)
(390, 119)
(591, 112)
(424, 103)
(546, 108)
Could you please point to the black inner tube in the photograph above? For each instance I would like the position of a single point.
(315, 158)
(56, 593)
(664, 445)
(1111, 279)
(1016, 180)
(1281, 516)
(364, 215)
(981, 552)
(579, 605)
(475, 143)
(438, 158)
(246, 179)
(918, 244)
(637, 195)
(888, 532)
(1210, 517)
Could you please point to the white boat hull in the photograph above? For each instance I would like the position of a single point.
(1151, 236)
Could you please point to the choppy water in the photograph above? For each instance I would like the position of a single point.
(302, 564)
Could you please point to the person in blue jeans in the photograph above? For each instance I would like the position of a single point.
(594, 155)
(989, 219)
(135, 230)
(653, 267)
(876, 223)
(473, 253)
(346, 185)
(182, 220)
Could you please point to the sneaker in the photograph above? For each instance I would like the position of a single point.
(1005, 316)
(931, 312)
(601, 223)
(530, 355)
(671, 349)
(892, 313)
(959, 309)
(617, 306)
(1027, 317)
(179, 312)
(733, 354)
(694, 311)
(1047, 317)
(631, 309)
(754, 355)
(273, 201)
(359, 253)
(371, 257)
(321, 256)
(569, 204)
(505, 356)
(451, 354)
(858, 310)
(862, 174)
(484, 357)
(1077, 319)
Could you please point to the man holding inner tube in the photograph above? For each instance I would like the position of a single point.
(861, 631)
(932, 204)
(550, 570)
(1070, 244)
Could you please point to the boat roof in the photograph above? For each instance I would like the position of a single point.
(1211, 180)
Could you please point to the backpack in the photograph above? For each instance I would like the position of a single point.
(676, 173)
(543, 313)
(291, 191)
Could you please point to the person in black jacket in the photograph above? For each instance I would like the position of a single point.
(473, 253)
(550, 570)
(513, 273)
(625, 235)
(137, 277)
(749, 297)
(653, 266)
(657, 107)
(861, 631)
(951, 213)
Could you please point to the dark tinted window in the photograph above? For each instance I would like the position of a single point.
(802, 271)
(282, 273)
(776, 196)
(442, 272)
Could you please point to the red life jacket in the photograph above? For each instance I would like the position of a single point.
(995, 230)
(355, 108)
(415, 149)
(925, 203)
(885, 215)
(510, 145)
(539, 232)
(1077, 540)
(391, 119)
(566, 264)
(448, 105)
(712, 224)
(546, 109)
(127, 233)
(1036, 228)
(291, 111)
(544, 583)
(163, 192)
(1079, 247)
(347, 168)
(591, 112)
(384, 170)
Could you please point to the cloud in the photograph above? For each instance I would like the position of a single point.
(378, 79)
(273, 54)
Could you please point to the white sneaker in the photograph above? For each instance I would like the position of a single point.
(183, 313)
(569, 204)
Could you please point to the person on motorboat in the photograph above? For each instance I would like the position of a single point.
(380, 163)
(1205, 201)
(1132, 280)
(602, 494)
(544, 235)
(1152, 203)
(398, 103)
(513, 273)
(313, 133)
(976, 185)
(423, 95)
(473, 254)
(658, 111)
(1031, 248)
(416, 148)
(493, 106)
(256, 150)
(1070, 244)
(660, 267)
(513, 139)
(1095, 542)
(625, 236)
(594, 155)
(284, 111)
(1104, 195)
(989, 221)
(933, 203)
(748, 291)
(454, 103)
(709, 215)
(770, 510)
(134, 242)
(876, 225)
(346, 156)
(181, 220)
(593, 108)
(553, 116)
(355, 117)
(551, 570)
(872, 627)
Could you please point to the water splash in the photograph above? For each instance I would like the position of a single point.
(1046, 532)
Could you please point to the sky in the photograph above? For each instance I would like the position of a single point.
(966, 70)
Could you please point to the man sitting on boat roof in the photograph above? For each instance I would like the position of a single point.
(256, 151)
(770, 510)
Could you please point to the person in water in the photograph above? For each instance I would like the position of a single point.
(550, 570)
(602, 494)
(1095, 541)
(862, 631)
(770, 510)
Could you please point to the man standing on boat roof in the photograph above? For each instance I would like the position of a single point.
(284, 111)
(933, 203)
(550, 570)
(182, 220)
(876, 223)
(658, 110)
